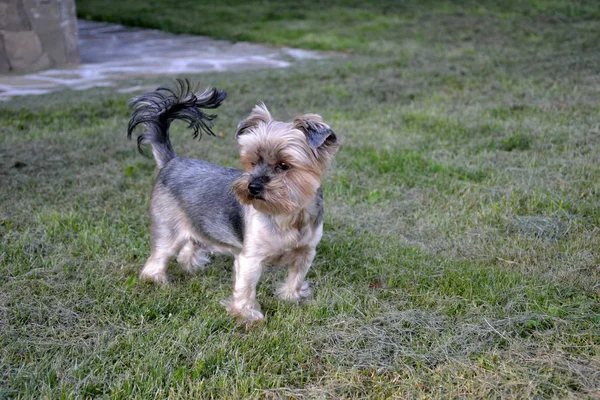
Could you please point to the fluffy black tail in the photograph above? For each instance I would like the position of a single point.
(156, 110)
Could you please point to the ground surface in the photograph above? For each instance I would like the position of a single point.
(460, 257)
(111, 54)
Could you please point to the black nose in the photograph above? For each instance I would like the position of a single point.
(254, 188)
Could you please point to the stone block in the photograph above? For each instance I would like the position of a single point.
(38, 34)
(13, 17)
(23, 49)
(71, 34)
(4, 65)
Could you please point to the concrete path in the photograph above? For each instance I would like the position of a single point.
(110, 53)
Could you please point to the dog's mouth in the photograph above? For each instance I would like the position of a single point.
(256, 197)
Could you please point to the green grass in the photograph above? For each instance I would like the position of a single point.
(460, 255)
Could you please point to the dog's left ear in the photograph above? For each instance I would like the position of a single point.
(319, 134)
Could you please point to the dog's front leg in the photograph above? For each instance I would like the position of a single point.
(295, 288)
(247, 273)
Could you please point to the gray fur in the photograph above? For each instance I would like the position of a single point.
(318, 134)
(202, 190)
(319, 207)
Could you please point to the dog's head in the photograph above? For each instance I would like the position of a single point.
(283, 161)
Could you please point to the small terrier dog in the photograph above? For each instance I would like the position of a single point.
(269, 213)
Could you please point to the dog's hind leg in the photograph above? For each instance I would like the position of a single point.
(168, 234)
(163, 249)
(192, 257)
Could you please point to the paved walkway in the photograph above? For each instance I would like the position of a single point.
(112, 52)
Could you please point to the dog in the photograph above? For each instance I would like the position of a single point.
(269, 213)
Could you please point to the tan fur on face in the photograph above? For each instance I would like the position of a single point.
(273, 142)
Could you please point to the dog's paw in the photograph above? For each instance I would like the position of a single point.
(160, 278)
(305, 291)
(293, 294)
(196, 262)
(192, 258)
(247, 313)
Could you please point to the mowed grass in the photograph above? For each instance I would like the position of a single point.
(460, 255)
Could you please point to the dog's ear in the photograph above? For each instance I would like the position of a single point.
(319, 134)
(259, 114)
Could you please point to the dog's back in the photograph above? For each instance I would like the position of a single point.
(203, 192)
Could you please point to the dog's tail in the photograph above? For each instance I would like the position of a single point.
(156, 110)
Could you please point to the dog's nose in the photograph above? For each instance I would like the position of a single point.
(254, 188)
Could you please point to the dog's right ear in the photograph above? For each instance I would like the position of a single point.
(319, 135)
(259, 114)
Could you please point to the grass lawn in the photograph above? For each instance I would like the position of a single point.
(462, 234)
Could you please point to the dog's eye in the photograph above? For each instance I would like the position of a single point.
(282, 166)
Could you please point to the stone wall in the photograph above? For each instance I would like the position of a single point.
(37, 34)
